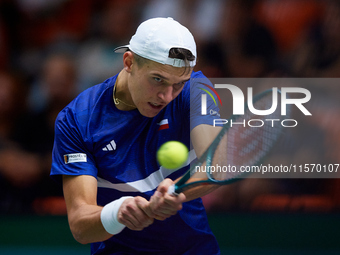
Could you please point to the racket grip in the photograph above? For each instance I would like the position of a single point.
(171, 190)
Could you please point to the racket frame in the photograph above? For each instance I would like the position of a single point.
(207, 156)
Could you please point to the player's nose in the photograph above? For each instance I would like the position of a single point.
(166, 94)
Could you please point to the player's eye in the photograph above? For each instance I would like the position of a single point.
(179, 85)
(157, 79)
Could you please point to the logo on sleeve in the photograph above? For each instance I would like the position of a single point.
(75, 157)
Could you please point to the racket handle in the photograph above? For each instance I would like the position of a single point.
(171, 190)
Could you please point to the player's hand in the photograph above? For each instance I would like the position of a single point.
(132, 215)
(163, 205)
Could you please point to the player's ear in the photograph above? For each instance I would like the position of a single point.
(128, 60)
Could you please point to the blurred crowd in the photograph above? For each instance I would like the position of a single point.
(52, 50)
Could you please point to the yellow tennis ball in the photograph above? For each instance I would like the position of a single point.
(172, 154)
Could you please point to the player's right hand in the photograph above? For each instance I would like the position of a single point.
(132, 215)
(164, 205)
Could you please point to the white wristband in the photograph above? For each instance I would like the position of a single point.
(108, 216)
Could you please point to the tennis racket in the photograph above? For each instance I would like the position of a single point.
(244, 140)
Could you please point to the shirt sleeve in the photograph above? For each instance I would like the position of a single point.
(200, 85)
(70, 155)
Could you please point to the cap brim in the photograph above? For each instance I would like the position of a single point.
(121, 49)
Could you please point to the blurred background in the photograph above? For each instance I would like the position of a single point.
(52, 50)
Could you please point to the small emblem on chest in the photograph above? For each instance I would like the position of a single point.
(111, 146)
(164, 124)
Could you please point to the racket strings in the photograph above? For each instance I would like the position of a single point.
(249, 138)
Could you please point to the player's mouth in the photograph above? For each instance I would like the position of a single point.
(156, 106)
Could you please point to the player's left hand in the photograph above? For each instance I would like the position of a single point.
(163, 205)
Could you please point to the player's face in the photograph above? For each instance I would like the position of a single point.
(152, 86)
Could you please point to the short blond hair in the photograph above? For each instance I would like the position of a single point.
(178, 53)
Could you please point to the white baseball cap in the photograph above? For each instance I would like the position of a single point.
(155, 37)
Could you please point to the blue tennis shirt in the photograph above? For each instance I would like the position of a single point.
(118, 148)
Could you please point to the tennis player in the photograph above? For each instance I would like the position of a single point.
(105, 150)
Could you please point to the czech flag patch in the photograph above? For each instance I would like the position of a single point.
(164, 124)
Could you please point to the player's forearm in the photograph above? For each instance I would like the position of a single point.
(199, 191)
(86, 225)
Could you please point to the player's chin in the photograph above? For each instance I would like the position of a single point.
(150, 110)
